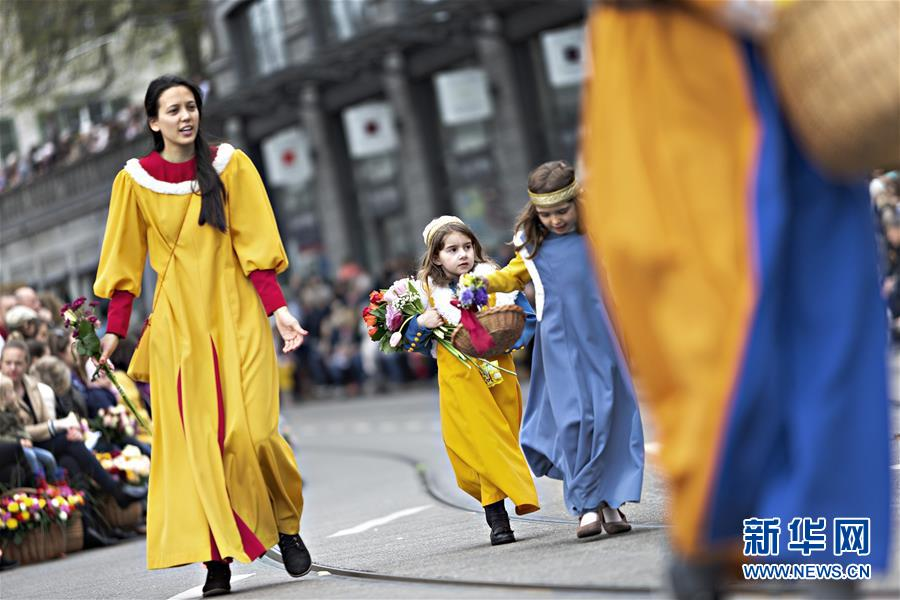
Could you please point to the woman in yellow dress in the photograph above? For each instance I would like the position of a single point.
(223, 483)
(479, 422)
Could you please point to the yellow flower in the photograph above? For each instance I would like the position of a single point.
(42, 503)
(13, 507)
(12, 524)
(26, 516)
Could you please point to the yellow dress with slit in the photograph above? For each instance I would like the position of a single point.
(480, 428)
(223, 482)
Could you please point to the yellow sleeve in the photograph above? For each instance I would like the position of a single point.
(124, 244)
(251, 222)
(510, 278)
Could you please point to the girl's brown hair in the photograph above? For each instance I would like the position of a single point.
(428, 268)
(548, 177)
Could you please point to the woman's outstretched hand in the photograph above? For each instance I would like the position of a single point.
(289, 329)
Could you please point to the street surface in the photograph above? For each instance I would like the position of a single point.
(384, 519)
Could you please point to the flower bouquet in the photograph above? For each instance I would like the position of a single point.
(388, 315)
(81, 320)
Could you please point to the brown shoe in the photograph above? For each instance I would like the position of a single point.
(588, 526)
(614, 527)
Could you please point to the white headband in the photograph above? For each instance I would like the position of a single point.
(436, 224)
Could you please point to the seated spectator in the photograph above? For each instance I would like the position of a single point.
(12, 429)
(23, 320)
(54, 372)
(62, 437)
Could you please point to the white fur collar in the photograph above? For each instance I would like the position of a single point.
(182, 188)
(441, 296)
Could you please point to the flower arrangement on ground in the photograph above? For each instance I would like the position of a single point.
(129, 465)
(22, 512)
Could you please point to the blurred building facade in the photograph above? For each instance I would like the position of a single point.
(371, 117)
(367, 118)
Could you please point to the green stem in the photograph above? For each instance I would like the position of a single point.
(108, 372)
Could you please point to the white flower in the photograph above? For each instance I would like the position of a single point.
(390, 297)
(395, 339)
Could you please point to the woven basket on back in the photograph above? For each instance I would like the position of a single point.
(836, 66)
(503, 323)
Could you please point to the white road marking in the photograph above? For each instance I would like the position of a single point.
(380, 521)
(197, 592)
(362, 427)
(387, 427)
(413, 426)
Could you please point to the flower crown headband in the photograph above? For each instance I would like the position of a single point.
(431, 228)
(560, 195)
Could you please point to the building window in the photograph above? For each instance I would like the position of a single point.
(260, 37)
(8, 141)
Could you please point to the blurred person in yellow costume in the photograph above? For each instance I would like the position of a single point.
(223, 483)
(742, 282)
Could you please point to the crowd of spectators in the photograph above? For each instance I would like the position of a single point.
(50, 402)
(885, 192)
(67, 147)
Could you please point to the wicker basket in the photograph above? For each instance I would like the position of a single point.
(38, 544)
(503, 323)
(124, 518)
(74, 533)
(835, 64)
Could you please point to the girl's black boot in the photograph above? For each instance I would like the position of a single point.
(501, 532)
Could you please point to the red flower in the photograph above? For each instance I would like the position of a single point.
(366, 311)
(376, 297)
(372, 331)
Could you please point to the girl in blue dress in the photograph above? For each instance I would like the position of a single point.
(581, 422)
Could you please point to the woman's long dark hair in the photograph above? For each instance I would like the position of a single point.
(212, 208)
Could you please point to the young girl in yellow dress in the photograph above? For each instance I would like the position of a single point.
(223, 482)
(480, 424)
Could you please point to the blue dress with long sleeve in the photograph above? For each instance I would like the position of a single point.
(581, 422)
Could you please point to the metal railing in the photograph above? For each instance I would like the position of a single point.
(64, 191)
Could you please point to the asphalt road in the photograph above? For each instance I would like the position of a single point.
(383, 518)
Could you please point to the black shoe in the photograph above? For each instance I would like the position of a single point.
(126, 494)
(6, 563)
(121, 533)
(218, 579)
(297, 561)
(94, 538)
(501, 532)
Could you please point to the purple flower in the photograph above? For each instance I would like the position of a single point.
(64, 308)
(481, 296)
(68, 323)
(93, 303)
(78, 302)
(466, 298)
(393, 318)
(92, 319)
